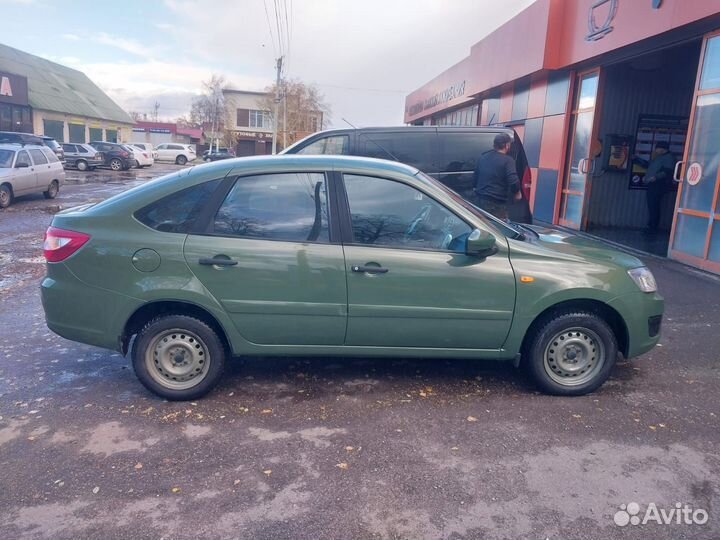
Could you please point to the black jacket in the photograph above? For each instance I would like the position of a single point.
(496, 176)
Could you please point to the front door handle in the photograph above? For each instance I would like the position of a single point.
(370, 269)
(214, 261)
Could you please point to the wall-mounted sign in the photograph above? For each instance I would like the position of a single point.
(598, 31)
(13, 89)
(254, 134)
(651, 130)
(694, 174)
(450, 93)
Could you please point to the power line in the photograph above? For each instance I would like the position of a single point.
(267, 18)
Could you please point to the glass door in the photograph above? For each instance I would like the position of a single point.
(580, 164)
(695, 236)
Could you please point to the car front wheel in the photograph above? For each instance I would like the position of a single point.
(81, 165)
(178, 357)
(181, 160)
(52, 190)
(6, 196)
(571, 353)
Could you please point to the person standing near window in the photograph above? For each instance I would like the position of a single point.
(496, 178)
(658, 179)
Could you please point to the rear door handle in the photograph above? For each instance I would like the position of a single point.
(213, 261)
(370, 269)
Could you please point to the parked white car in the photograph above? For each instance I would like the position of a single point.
(179, 153)
(27, 169)
(148, 147)
(142, 156)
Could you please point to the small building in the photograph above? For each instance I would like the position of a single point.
(588, 85)
(42, 97)
(247, 118)
(163, 132)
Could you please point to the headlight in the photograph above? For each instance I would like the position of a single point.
(643, 278)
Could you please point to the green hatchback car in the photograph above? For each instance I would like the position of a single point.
(335, 256)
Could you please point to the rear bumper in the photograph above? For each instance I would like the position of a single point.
(642, 313)
(80, 312)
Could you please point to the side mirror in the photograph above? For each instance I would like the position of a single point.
(22, 165)
(480, 243)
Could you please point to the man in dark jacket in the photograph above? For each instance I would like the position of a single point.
(496, 178)
(658, 179)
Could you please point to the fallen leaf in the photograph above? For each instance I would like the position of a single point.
(266, 411)
(349, 448)
(471, 419)
(422, 394)
(653, 428)
(236, 482)
(176, 490)
(342, 466)
(31, 438)
(454, 448)
(96, 489)
(138, 466)
(662, 425)
(577, 416)
(267, 472)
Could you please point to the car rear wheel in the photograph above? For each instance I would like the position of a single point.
(181, 160)
(6, 196)
(116, 164)
(571, 353)
(81, 165)
(178, 357)
(52, 190)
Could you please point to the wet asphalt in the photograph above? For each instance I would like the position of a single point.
(345, 448)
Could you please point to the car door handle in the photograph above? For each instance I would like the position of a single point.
(213, 261)
(370, 269)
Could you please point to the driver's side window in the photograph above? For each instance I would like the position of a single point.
(392, 214)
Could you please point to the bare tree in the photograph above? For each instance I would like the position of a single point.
(307, 111)
(209, 107)
(135, 115)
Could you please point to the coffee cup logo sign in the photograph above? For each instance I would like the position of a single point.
(598, 31)
(5, 87)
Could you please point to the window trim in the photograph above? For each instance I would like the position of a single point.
(346, 218)
(203, 226)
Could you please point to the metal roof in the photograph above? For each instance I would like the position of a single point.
(53, 87)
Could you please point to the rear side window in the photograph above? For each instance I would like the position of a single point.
(460, 151)
(69, 148)
(81, 149)
(415, 149)
(38, 157)
(175, 147)
(291, 207)
(327, 145)
(178, 212)
(50, 155)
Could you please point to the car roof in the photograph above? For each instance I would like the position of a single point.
(324, 162)
(18, 146)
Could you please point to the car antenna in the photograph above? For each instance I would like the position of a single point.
(374, 142)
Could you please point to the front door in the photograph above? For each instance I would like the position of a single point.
(695, 237)
(410, 283)
(24, 178)
(581, 153)
(43, 172)
(268, 259)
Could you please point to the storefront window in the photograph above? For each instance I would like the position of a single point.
(690, 235)
(77, 133)
(711, 67)
(588, 91)
(96, 134)
(6, 117)
(111, 135)
(54, 129)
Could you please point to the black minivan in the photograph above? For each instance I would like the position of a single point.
(448, 154)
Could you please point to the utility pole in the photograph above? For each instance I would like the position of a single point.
(285, 129)
(155, 111)
(277, 102)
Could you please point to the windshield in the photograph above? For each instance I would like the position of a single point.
(6, 157)
(508, 229)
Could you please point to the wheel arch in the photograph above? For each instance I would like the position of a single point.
(597, 307)
(148, 311)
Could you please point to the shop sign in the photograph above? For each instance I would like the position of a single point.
(13, 89)
(694, 174)
(253, 134)
(451, 92)
(598, 31)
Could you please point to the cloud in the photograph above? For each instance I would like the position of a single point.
(124, 44)
(70, 37)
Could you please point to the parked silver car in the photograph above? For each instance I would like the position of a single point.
(83, 157)
(27, 169)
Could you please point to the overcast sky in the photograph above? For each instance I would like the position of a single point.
(364, 55)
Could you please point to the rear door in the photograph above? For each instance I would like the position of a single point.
(43, 172)
(24, 178)
(410, 283)
(162, 151)
(417, 147)
(269, 257)
(458, 153)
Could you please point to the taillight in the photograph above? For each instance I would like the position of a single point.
(60, 244)
(123, 153)
(526, 183)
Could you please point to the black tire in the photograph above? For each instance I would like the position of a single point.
(52, 190)
(188, 334)
(6, 196)
(570, 353)
(81, 165)
(181, 160)
(116, 164)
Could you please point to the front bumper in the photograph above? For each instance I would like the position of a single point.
(642, 313)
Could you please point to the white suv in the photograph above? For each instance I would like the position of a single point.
(28, 168)
(179, 153)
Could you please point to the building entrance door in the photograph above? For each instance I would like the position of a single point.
(695, 237)
(581, 152)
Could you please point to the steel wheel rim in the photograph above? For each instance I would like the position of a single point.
(81, 165)
(574, 356)
(177, 359)
(4, 197)
(53, 189)
(115, 165)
